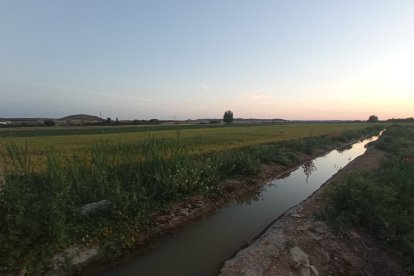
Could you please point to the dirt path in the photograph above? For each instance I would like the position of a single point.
(299, 244)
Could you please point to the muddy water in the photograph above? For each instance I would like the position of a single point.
(201, 247)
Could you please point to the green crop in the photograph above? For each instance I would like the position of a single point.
(48, 179)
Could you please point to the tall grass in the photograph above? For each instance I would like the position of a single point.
(381, 201)
(40, 210)
(212, 138)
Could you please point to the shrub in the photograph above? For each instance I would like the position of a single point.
(382, 200)
(49, 123)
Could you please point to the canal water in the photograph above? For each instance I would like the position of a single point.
(201, 247)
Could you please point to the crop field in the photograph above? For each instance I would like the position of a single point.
(196, 138)
(49, 177)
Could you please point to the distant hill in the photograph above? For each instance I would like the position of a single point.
(82, 118)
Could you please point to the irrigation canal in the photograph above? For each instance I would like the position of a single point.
(201, 247)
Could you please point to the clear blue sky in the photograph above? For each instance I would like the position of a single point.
(193, 59)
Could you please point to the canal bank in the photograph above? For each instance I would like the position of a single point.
(200, 248)
(298, 243)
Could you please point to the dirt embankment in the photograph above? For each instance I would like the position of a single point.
(178, 215)
(299, 244)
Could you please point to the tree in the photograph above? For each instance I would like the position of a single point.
(154, 121)
(49, 123)
(373, 119)
(228, 117)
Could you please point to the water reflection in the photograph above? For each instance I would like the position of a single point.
(201, 247)
(308, 168)
(344, 148)
(285, 175)
(249, 198)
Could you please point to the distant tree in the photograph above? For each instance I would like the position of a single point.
(401, 120)
(373, 119)
(228, 117)
(116, 121)
(154, 121)
(49, 123)
(108, 120)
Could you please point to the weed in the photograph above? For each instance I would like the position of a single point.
(40, 208)
(380, 201)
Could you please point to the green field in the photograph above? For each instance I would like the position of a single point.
(198, 138)
(49, 177)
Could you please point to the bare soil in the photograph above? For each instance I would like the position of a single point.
(321, 252)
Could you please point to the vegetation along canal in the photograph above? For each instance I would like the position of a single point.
(201, 247)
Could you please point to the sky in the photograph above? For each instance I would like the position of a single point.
(196, 59)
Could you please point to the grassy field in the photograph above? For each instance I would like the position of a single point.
(198, 138)
(48, 178)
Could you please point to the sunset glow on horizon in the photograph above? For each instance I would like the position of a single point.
(310, 60)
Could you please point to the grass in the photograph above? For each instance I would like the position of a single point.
(138, 172)
(381, 201)
(212, 138)
(100, 130)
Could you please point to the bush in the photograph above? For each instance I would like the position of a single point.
(49, 123)
(380, 201)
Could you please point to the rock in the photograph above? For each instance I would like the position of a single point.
(295, 215)
(320, 230)
(91, 208)
(184, 212)
(313, 236)
(302, 228)
(58, 262)
(314, 270)
(81, 256)
(300, 261)
(74, 256)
